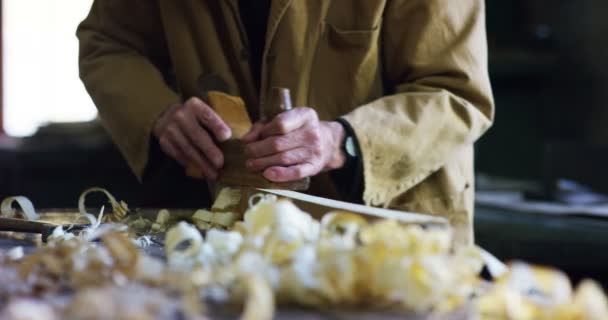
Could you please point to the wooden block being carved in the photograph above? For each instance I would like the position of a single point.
(234, 173)
(233, 111)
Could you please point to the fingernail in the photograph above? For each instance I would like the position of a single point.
(226, 134)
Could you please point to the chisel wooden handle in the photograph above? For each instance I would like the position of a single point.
(278, 102)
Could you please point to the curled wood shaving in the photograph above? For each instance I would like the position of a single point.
(226, 199)
(94, 232)
(94, 221)
(259, 198)
(59, 234)
(259, 303)
(182, 244)
(119, 209)
(162, 219)
(27, 208)
(224, 219)
(143, 241)
(531, 292)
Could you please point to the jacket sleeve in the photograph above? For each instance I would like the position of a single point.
(122, 53)
(435, 62)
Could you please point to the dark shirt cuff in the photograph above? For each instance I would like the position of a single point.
(349, 180)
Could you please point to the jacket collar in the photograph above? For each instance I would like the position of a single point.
(277, 11)
(275, 16)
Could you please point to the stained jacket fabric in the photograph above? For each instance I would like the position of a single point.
(410, 76)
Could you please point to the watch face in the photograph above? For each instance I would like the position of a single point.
(349, 146)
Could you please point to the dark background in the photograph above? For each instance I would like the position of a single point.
(549, 69)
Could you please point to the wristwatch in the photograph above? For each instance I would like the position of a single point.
(349, 144)
(348, 147)
(349, 179)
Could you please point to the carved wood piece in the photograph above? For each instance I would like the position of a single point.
(233, 111)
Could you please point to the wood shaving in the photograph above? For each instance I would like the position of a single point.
(27, 208)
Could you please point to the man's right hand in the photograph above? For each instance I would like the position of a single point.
(186, 133)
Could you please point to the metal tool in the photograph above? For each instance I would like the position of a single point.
(29, 226)
(367, 211)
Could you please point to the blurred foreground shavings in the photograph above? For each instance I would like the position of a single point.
(278, 255)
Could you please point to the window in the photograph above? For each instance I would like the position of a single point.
(40, 50)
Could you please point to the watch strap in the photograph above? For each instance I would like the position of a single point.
(349, 179)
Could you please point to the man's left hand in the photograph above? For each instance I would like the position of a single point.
(294, 145)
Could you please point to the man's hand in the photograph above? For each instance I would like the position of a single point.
(294, 145)
(186, 133)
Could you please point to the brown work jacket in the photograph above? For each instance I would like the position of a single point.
(410, 76)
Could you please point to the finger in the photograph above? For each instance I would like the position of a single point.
(171, 150)
(200, 138)
(283, 159)
(190, 152)
(292, 173)
(276, 144)
(209, 119)
(289, 121)
(164, 120)
(254, 133)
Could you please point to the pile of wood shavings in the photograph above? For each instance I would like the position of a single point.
(112, 279)
(280, 252)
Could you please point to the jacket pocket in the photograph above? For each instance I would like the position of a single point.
(355, 14)
(361, 38)
(346, 70)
